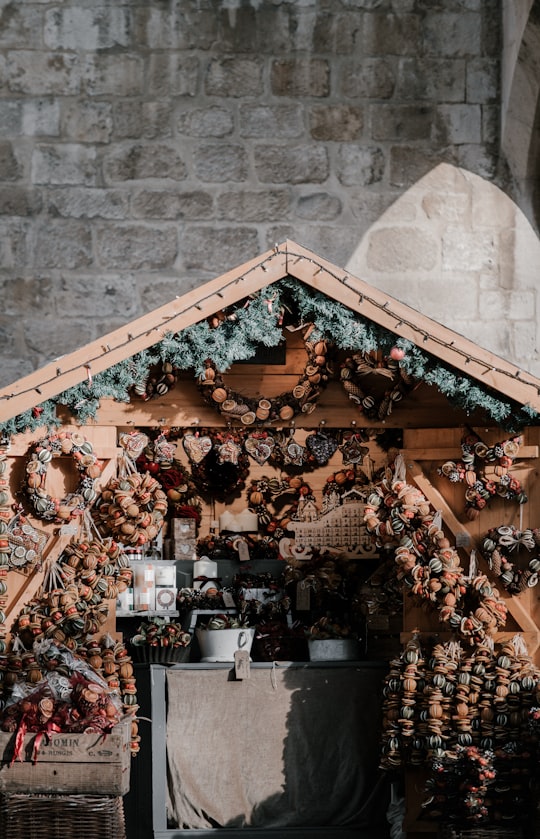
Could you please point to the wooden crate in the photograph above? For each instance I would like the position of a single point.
(86, 764)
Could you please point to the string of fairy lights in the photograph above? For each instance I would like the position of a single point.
(215, 296)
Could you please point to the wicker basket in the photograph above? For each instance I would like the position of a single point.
(146, 654)
(24, 816)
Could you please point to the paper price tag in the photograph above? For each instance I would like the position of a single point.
(241, 665)
(243, 550)
(228, 600)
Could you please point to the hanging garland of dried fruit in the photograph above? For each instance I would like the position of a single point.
(485, 470)
(42, 452)
(301, 399)
(398, 515)
(159, 458)
(497, 547)
(284, 496)
(376, 383)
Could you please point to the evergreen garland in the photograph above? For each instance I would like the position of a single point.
(257, 320)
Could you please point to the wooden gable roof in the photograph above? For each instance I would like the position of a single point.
(286, 260)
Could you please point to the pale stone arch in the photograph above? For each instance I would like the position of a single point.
(520, 102)
(457, 248)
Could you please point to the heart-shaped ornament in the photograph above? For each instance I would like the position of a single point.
(259, 448)
(196, 447)
(321, 446)
(229, 452)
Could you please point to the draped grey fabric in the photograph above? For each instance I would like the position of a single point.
(290, 746)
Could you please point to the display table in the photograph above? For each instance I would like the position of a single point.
(293, 747)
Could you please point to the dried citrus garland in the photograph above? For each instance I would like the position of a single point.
(132, 509)
(440, 700)
(399, 515)
(265, 491)
(248, 410)
(42, 452)
(497, 547)
(482, 486)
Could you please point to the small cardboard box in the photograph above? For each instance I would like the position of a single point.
(85, 764)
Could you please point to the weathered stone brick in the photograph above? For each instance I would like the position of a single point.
(452, 34)
(11, 112)
(525, 341)
(234, 77)
(334, 242)
(359, 165)
(254, 205)
(440, 80)
(87, 203)
(321, 206)
(42, 74)
(370, 78)
(279, 122)
(173, 74)
(367, 206)
(20, 23)
(300, 77)
(90, 29)
(483, 80)
(401, 122)
(482, 161)
(135, 119)
(160, 290)
(41, 117)
(468, 250)
(66, 163)
(219, 162)
(398, 249)
(136, 247)
(211, 248)
(43, 336)
(194, 204)
(177, 26)
(10, 166)
(389, 34)
(451, 208)
(206, 122)
(31, 294)
(87, 122)
(295, 165)
(140, 161)
(491, 124)
(17, 201)
(107, 73)
(16, 365)
(457, 124)
(408, 164)
(14, 245)
(437, 296)
(115, 294)
(276, 28)
(63, 244)
(337, 123)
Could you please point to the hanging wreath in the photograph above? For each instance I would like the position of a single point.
(284, 495)
(160, 460)
(485, 471)
(132, 509)
(42, 452)
(302, 399)
(375, 383)
(497, 547)
(219, 464)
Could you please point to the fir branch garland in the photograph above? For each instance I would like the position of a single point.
(256, 321)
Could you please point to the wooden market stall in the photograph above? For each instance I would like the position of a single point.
(357, 471)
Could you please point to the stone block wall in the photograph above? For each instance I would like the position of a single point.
(146, 147)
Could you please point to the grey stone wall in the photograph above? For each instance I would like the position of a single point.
(149, 146)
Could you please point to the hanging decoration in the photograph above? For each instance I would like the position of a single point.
(302, 398)
(485, 470)
(276, 502)
(132, 506)
(42, 452)
(501, 547)
(401, 519)
(257, 321)
(445, 707)
(159, 458)
(322, 445)
(220, 474)
(375, 383)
